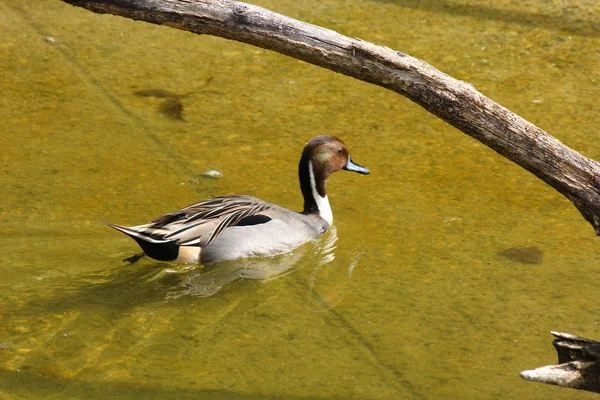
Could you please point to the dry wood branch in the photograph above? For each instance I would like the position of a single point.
(454, 101)
(579, 364)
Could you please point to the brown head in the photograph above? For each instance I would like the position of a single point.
(322, 156)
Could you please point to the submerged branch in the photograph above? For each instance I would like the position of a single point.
(579, 364)
(453, 101)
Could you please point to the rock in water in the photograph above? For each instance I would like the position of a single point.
(527, 255)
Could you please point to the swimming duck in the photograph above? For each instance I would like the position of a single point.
(233, 227)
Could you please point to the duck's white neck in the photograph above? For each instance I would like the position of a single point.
(322, 202)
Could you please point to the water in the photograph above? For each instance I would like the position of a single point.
(413, 300)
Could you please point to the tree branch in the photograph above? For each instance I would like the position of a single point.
(453, 101)
(579, 364)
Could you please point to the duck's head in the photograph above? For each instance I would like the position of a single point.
(328, 154)
(322, 156)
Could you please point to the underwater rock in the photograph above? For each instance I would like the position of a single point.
(172, 108)
(159, 93)
(212, 174)
(527, 255)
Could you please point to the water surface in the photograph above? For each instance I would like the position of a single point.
(411, 299)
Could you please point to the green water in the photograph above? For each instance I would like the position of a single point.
(407, 299)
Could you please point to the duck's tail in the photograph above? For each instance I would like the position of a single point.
(153, 244)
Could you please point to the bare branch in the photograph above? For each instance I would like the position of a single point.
(579, 364)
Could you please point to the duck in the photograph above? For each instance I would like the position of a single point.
(234, 227)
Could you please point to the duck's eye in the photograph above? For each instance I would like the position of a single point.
(340, 151)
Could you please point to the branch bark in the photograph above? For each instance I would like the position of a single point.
(454, 101)
(579, 364)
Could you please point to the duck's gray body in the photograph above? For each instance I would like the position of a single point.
(233, 227)
(285, 231)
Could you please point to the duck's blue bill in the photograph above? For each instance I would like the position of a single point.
(350, 166)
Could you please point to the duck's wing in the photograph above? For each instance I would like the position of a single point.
(199, 224)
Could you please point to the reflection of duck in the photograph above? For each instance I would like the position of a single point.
(233, 227)
(210, 280)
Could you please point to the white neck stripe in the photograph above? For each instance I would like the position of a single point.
(322, 202)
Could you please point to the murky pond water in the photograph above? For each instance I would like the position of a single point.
(448, 265)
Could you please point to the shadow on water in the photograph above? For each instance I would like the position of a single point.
(570, 21)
